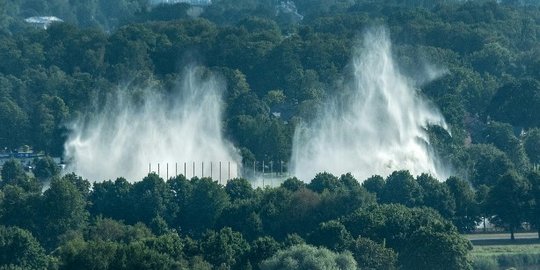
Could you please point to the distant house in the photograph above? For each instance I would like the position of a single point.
(42, 22)
(191, 2)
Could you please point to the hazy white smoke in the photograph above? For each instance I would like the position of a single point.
(129, 133)
(378, 126)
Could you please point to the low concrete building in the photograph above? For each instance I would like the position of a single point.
(42, 22)
(191, 2)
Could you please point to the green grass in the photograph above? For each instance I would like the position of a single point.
(506, 256)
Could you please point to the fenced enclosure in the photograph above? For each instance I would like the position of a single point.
(259, 173)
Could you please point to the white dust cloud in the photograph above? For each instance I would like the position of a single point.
(130, 133)
(378, 125)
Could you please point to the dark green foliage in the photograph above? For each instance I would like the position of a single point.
(19, 249)
(263, 248)
(427, 246)
(270, 62)
(224, 248)
(371, 255)
(239, 189)
(324, 181)
(502, 136)
(509, 200)
(113, 245)
(141, 254)
(14, 128)
(374, 184)
(14, 174)
(149, 199)
(243, 217)
(180, 209)
(308, 257)
(487, 164)
(299, 215)
(48, 118)
(293, 184)
(88, 255)
(182, 191)
(18, 207)
(532, 145)
(534, 182)
(45, 168)
(111, 199)
(465, 216)
(63, 208)
(206, 204)
(344, 201)
(93, 13)
(437, 195)
(401, 187)
(517, 102)
(382, 223)
(332, 235)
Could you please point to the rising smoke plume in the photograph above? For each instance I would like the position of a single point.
(128, 134)
(377, 126)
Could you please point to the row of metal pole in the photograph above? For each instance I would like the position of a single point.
(255, 171)
(271, 167)
(193, 171)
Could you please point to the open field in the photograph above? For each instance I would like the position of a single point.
(497, 251)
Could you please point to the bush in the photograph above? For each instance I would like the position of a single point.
(484, 263)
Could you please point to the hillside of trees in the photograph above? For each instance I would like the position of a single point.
(274, 60)
(400, 222)
(488, 95)
(199, 224)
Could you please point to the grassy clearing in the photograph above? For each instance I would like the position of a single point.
(506, 256)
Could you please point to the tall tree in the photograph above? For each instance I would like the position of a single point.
(13, 174)
(14, 124)
(332, 235)
(63, 208)
(396, 225)
(45, 168)
(509, 200)
(437, 195)
(486, 164)
(534, 182)
(532, 145)
(518, 103)
(502, 136)
(463, 196)
(208, 199)
(224, 248)
(151, 198)
(112, 199)
(401, 187)
(371, 255)
(20, 250)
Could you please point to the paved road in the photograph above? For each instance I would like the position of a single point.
(498, 236)
(503, 239)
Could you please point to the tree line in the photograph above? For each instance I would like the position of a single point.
(400, 221)
(181, 223)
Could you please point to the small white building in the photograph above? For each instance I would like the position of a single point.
(42, 22)
(191, 2)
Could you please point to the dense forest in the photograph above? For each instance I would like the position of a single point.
(488, 95)
(400, 222)
(331, 223)
(281, 61)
